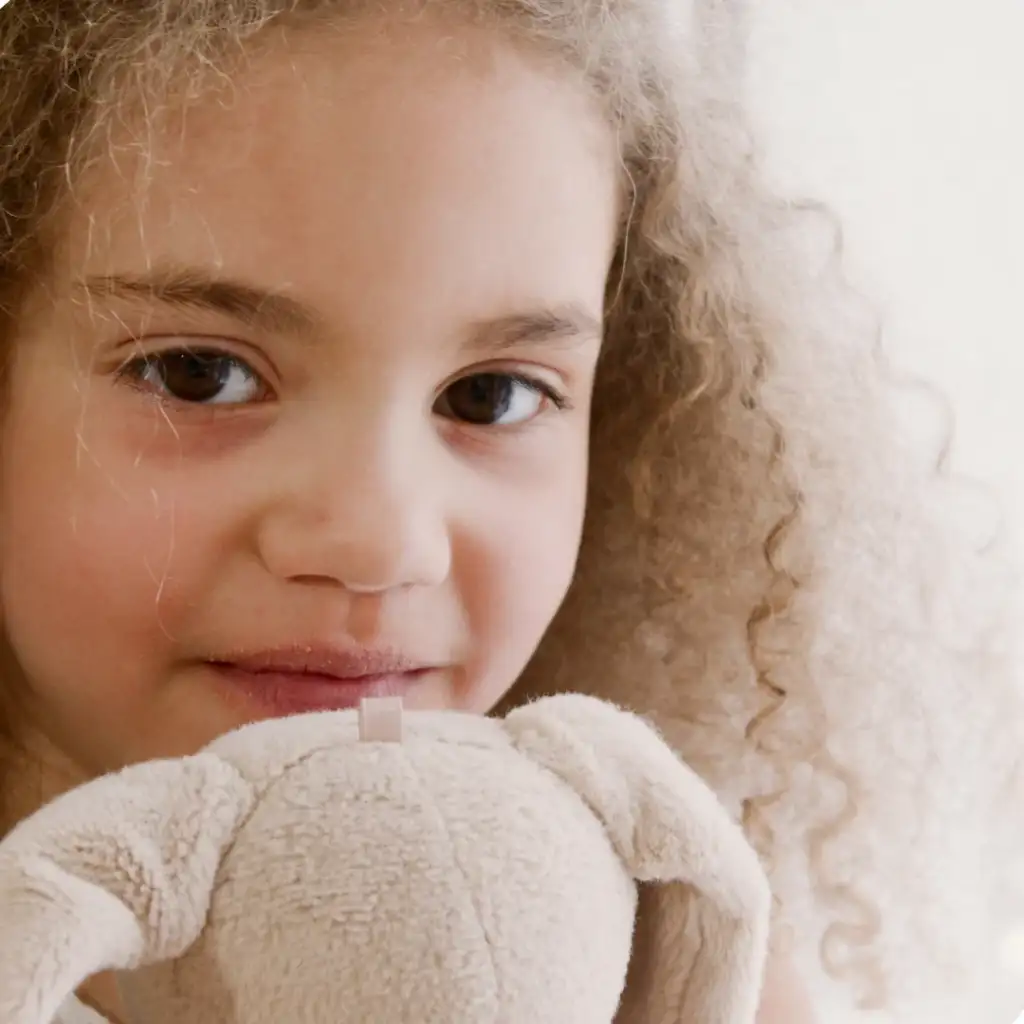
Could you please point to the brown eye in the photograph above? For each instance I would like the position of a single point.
(197, 377)
(493, 399)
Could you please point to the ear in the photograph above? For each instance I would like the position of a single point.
(112, 876)
(669, 828)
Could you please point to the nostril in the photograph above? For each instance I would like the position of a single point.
(315, 580)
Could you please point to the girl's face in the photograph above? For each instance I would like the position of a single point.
(302, 415)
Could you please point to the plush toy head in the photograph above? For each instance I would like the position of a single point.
(348, 869)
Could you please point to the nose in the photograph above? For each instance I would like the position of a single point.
(361, 521)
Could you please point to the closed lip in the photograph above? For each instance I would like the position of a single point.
(345, 664)
(309, 677)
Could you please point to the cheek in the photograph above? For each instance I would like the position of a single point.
(512, 565)
(90, 548)
(98, 570)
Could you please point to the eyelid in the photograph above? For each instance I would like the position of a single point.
(529, 372)
(123, 373)
(551, 399)
(230, 348)
(528, 375)
(153, 345)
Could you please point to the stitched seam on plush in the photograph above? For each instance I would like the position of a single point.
(428, 801)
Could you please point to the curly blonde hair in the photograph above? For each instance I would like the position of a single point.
(766, 568)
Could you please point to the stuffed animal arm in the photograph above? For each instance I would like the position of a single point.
(347, 868)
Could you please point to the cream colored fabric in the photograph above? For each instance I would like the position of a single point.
(475, 871)
(74, 1012)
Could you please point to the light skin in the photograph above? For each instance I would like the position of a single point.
(381, 265)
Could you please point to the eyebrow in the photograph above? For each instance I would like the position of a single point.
(273, 312)
(565, 322)
(195, 289)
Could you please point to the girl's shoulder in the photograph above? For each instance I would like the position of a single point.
(75, 1012)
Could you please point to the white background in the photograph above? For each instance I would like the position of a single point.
(907, 116)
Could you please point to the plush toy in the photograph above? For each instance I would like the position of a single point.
(374, 868)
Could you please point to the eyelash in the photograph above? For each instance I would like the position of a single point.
(132, 372)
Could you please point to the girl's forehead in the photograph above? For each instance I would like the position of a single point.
(398, 156)
(359, 102)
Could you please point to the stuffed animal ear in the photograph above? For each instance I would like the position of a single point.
(669, 829)
(111, 876)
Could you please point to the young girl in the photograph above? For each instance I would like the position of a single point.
(454, 349)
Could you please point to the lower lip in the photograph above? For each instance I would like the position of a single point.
(280, 694)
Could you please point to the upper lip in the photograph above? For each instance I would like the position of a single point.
(343, 663)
